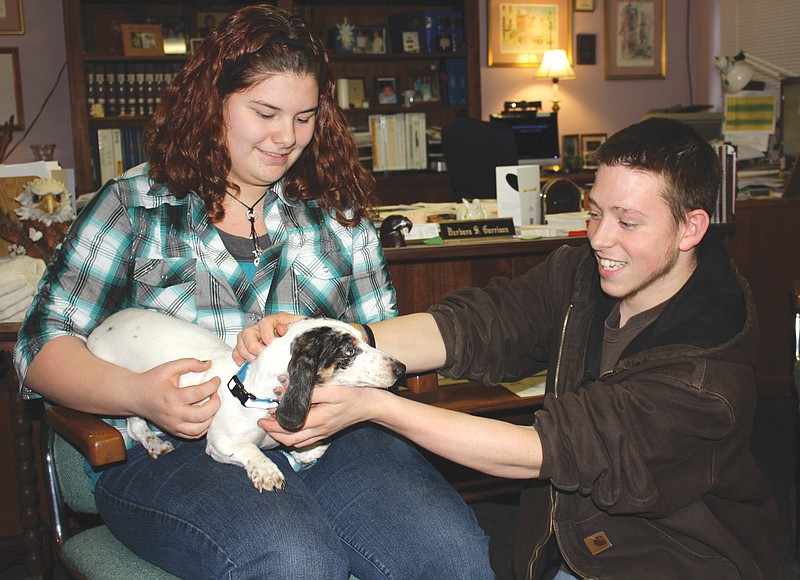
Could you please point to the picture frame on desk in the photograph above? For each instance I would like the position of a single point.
(520, 31)
(142, 39)
(589, 144)
(12, 20)
(635, 39)
(11, 93)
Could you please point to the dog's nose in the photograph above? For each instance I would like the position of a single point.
(399, 369)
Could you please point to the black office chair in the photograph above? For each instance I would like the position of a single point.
(472, 149)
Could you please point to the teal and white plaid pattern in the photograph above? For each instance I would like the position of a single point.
(136, 245)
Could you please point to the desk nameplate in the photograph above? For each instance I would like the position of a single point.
(476, 229)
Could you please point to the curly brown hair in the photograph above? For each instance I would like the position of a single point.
(186, 139)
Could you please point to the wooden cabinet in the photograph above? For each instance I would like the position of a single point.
(94, 46)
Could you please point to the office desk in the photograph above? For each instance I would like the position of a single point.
(422, 274)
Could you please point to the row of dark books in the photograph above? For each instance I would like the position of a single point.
(126, 89)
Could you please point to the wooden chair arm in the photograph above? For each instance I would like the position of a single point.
(422, 383)
(99, 442)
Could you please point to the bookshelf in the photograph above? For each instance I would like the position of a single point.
(94, 46)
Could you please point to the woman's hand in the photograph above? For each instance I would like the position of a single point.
(333, 408)
(252, 340)
(184, 412)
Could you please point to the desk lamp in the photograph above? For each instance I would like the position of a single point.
(555, 65)
(737, 71)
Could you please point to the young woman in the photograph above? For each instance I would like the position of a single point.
(253, 201)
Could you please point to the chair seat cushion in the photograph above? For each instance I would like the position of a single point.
(96, 553)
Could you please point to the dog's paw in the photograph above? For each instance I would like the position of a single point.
(156, 447)
(265, 475)
(309, 454)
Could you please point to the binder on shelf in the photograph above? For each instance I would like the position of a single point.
(377, 130)
(726, 200)
(416, 141)
(109, 150)
(395, 143)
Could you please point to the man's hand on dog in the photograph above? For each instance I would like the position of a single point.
(184, 412)
(252, 340)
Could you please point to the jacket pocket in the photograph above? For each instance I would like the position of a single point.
(166, 284)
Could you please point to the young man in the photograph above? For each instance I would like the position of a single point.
(638, 464)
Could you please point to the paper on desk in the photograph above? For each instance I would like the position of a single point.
(529, 387)
(33, 169)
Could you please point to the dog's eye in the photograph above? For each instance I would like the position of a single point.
(350, 351)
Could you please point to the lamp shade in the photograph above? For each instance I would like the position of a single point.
(555, 65)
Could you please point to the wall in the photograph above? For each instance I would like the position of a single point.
(592, 104)
(42, 53)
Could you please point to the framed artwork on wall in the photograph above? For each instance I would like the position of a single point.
(635, 39)
(11, 19)
(584, 5)
(520, 31)
(11, 93)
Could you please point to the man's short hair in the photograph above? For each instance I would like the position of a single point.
(687, 164)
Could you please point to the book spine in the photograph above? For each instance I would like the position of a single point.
(149, 89)
(377, 129)
(127, 89)
(110, 84)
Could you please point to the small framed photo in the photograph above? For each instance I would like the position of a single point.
(142, 39)
(426, 84)
(386, 90)
(584, 5)
(355, 92)
(571, 152)
(411, 42)
(589, 144)
(370, 40)
(194, 44)
(208, 21)
(174, 32)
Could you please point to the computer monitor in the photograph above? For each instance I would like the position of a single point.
(790, 118)
(536, 134)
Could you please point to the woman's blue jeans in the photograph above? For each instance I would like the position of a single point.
(372, 505)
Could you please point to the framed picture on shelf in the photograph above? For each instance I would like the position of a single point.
(194, 44)
(208, 21)
(635, 39)
(520, 31)
(11, 19)
(588, 145)
(410, 42)
(571, 152)
(355, 92)
(11, 92)
(426, 84)
(386, 90)
(584, 5)
(174, 33)
(142, 39)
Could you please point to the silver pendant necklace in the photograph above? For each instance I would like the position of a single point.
(251, 216)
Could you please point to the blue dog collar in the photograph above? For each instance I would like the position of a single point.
(249, 400)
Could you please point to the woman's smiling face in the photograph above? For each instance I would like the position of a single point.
(268, 126)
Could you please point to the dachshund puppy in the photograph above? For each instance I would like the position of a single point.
(313, 351)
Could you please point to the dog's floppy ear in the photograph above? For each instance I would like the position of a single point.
(293, 410)
(309, 352)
